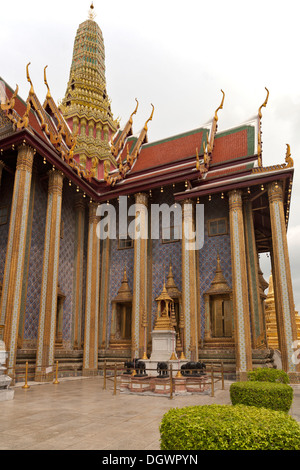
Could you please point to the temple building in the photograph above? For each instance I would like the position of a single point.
(79, 285)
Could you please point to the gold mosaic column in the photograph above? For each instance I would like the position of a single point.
(15, 254)
(78, 271)
(240, 286)
(27, 259)
(285, 307)
(91, 330)
(140, 286)
(258, 330)
(189, 283)
(104, 292)
(48, 301)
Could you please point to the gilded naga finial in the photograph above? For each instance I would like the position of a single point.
(31, 92)
(150, 118)
(135, 111)
(197, 160)
(264, 103)
(46, 83)
(288, 159)
(259, 149)
(220, 107)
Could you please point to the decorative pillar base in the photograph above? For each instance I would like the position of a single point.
(89, 372)
(44, 376)
(241, 376)
(294, 377)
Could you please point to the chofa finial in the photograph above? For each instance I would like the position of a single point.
(46, 83)
(264, 103)
(31, 92)
(220, 107)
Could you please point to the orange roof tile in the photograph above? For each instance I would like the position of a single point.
(169, 150)
(233, 144)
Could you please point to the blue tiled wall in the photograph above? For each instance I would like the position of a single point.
(6, 191)
(36, 261)
(216, 208)
(66, 259)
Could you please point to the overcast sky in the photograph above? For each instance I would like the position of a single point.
(178, 56)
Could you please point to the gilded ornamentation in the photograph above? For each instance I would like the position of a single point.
(10, 104)
(288, 159)
(123, 168)
(289, 163)
(86, 95)
(208, 146)
(259, 149)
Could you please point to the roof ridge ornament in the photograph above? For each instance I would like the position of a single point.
(134, 112)
(10, 103)
(210, 143)
(288, 159)
(220, 107)
(46, 83)
(31, 92)
(150, 118)
(259, 147)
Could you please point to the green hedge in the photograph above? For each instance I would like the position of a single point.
(227, 427)
(276, 396)
(263, 374)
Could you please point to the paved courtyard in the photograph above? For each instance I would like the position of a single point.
(77, 414)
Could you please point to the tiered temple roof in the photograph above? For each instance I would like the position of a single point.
(105, 161)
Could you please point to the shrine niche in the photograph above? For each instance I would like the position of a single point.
(219, 330)
(120, 336)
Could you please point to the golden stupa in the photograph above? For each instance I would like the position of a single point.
(271, 322)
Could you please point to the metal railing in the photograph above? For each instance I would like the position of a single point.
(112, 371)
(214, 374)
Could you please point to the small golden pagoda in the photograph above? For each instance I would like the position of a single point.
(271, 322)
(171, 287)
(163, 315)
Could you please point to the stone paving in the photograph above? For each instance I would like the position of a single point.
(77, 414)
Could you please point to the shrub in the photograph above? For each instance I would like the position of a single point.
(227, 427)
(276, 396)
(263, 374)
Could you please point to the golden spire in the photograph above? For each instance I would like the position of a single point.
(92, 14)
